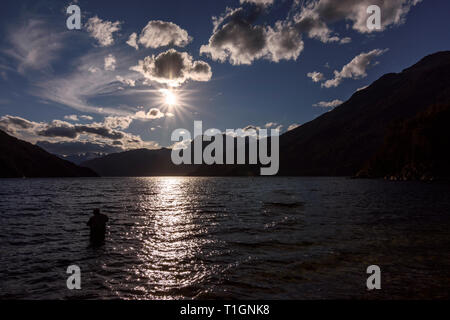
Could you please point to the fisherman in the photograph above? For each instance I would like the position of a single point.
(97, 224)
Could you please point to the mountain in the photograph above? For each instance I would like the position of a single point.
(135, 163)
(22, 159)
(338, 143)
(71, 150)
(144, 162)
(415, 149)
(79, 158)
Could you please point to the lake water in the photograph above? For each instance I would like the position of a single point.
(222, 238)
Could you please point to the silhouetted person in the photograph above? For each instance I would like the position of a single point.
(97, 223)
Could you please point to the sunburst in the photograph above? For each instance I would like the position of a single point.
(170, 97)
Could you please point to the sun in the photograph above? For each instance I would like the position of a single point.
(170, 98)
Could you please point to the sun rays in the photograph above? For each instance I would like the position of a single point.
(170, 97)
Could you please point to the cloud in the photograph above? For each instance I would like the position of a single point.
(84, 117)
(78, 147)
(118, 122)
(362, 88)
(273, 125)
(173, 68)
(63, 129)
(309, 21)
(132, 41)
(123, 122)
(128, 82)
(110, 63)
(316, 16)
(270, 124)
(93, 69)
(81, 87)
(34, 45)
(330, 11)
(258, 2)
(293, 126)
(60, 133)
(72, 117)
(152, 114)
(283, 43)
(12, 123)
(330, 104)
(316, 76)
(159, 33)
(59, 129)
(355, 69)
(237, 40)
(67, 148)
(102, 31)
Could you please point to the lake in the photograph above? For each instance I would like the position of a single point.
(225, 238)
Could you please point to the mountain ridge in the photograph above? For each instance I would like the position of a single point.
(19, 159)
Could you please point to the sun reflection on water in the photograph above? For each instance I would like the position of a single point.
(171, 239)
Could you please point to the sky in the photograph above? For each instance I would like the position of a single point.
(138, 70)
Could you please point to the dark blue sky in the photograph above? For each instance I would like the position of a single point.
(252, 70)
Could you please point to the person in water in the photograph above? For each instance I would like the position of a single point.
(97, 224)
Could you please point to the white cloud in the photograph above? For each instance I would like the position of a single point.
(78, 89)
(309, 21)
(13, 123)
(152, 114)
(173, 68)
(88, 118)
(316, 16)
(34, 45)
(316, 76)
(117, 122)
(393, 12)
(159, 33)
(110, 63)
(355, 69)
(328, 104)
(102, 31)
(128, 82)
(362, 88)
(283, 43)
(237, 39)
(132, 41)
(258, 2)
(273, 125)
(75, 137)
(93, 69)
(72, 117)
(293, 126)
